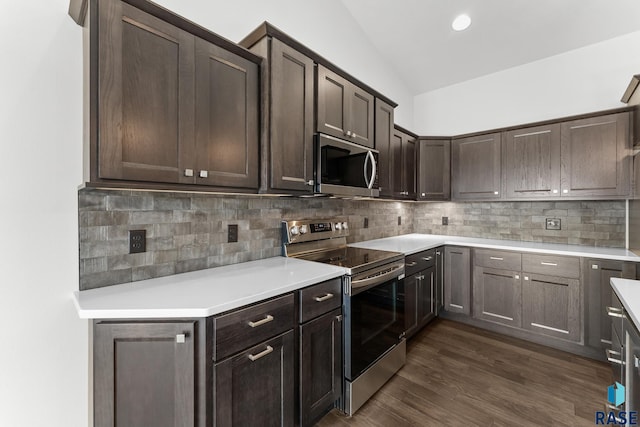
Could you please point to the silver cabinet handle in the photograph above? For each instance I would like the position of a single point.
(348, 133)
(438, 253)
(552, 264)
(517, 276)
(565, 191)
(526, 277)
(188, 172)
(496, 258)
(428, 258)
(310, 182)
(595, 266)
(554, 191)
(614, 357)
(615, 312)
(496, 192)
(180, 338)
(204, 174)
(267, 319)
(411, 264)
(254, 357)
(324, 298)
(353, 135)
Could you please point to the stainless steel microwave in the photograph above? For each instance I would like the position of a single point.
(345, 169)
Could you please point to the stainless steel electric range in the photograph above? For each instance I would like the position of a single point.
(373, 303)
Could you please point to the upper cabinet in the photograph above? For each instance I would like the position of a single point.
(403, 164)
(168, 106)
(433, 169)
(476, 167)
(384, 132)
(288, 88)
(344, 109)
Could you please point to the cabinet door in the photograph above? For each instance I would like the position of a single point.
(291, 106)
(599, 295)
(475, 167)
(227, 122)
(409, 166)
(144, 374)
(434, 169)
(532, 162)
(439, 303)
(361, 106)
(320, 366)
(256, 386)
(497, 296)
(426, 296)
(403, 157)
(333, 103)
(384, 132)
(596, 156)
(411, 304)
(145, 94)
(551, 306)
(457, 280)
(397, 166)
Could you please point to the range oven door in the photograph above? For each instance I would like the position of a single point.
(346, 169)
(373, 317)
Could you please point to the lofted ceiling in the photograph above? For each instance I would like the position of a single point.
(415, 36)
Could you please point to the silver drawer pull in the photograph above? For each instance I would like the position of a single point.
(496, 258)
(552, 264)
(411, 264)
(181, 338)
(428, 258)
(267, 319)
(615, 312)
(254, 357)
(614, 357)
(324, 298)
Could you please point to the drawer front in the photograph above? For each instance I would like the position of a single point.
(498, 259)
(419, 261)
(319, 299)
(246, 327)
(552, 265)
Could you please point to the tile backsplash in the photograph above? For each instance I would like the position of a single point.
(188, 231)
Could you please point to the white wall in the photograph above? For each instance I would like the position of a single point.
(325, 27)
(43, 356)
(583, 80)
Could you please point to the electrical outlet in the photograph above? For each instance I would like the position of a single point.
(137, 241)
(553, 224)
(399, 220)
(366, 222)
(232, 233)
(445, 220)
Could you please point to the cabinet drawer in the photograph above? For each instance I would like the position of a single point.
(246, 327)
(498, 259)
(551, 265)
(420, 261)
(319, 299)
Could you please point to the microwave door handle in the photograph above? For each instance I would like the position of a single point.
(364, 170)
(373, 169)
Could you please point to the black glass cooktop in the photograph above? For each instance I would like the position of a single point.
(355, 259)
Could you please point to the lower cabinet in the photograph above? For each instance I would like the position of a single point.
(497, 296)
(145, 374)
(457, 280)
(256, 387)
(420, 303)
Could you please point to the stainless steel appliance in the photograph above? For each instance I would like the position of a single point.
(373, 303)
(345, 169)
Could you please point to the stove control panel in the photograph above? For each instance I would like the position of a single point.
(310, 230)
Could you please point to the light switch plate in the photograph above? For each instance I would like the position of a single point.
(553, 224)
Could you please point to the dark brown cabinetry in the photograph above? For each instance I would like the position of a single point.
(344, 110)
(532, 162)
(403, 160)
(433, 169)
(171, 107)
(476, 167)
(288, 111)
(457, 280)
(320, 350)
(599, 296)
(384, 116)
(144, 374)
(596, 156)
(420, 287)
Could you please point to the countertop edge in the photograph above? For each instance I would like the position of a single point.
(620, 287)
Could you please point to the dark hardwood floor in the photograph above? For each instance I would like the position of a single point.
(458, 375)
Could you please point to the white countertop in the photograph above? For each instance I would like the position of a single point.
(203, 293)
(629, 293)
(412, 243)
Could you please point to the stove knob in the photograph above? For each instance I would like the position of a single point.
(294, 230)
(345, 226)
(338, 226)
(303, 229)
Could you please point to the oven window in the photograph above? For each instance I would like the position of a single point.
(377, 320)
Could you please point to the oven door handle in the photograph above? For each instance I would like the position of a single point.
(394, 271)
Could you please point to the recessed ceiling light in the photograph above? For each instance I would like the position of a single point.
(461, 22)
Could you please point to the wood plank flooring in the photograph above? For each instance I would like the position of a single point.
(458, 375)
